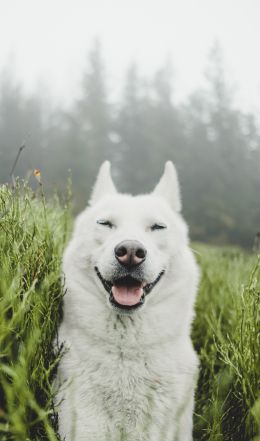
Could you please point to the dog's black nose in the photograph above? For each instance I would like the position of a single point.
(130, 253)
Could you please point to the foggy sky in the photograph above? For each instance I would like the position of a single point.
(46, 41)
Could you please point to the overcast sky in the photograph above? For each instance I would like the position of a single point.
(47, 41)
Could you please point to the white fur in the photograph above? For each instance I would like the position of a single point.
(134, 374)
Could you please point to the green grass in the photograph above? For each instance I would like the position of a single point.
(225, 332)
(32, 237)
(226, 336)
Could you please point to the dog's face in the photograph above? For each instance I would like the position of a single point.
(129, 243)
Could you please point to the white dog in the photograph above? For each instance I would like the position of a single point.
(130, 369)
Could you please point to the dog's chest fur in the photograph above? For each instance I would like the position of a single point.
(136, 375)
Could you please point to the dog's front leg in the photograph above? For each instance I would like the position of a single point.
(186, 422)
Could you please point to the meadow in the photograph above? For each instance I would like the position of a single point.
(33, 233)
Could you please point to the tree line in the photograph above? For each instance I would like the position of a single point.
(214, 145)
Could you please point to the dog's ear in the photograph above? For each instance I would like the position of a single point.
(168, 187)
(103, 185)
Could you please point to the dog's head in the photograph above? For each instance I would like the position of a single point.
(128, 245)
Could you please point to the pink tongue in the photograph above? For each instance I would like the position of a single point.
(127, 296)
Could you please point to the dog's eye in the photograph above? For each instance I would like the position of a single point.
(158, 227)
(104, 222)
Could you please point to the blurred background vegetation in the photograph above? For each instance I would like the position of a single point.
(215, 145)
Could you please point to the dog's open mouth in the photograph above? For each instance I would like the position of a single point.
(127, 293)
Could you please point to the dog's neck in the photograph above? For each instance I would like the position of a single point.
(95, 321)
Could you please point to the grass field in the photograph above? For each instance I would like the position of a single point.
(225, 332)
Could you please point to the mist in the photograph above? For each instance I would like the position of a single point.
(214, 144)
